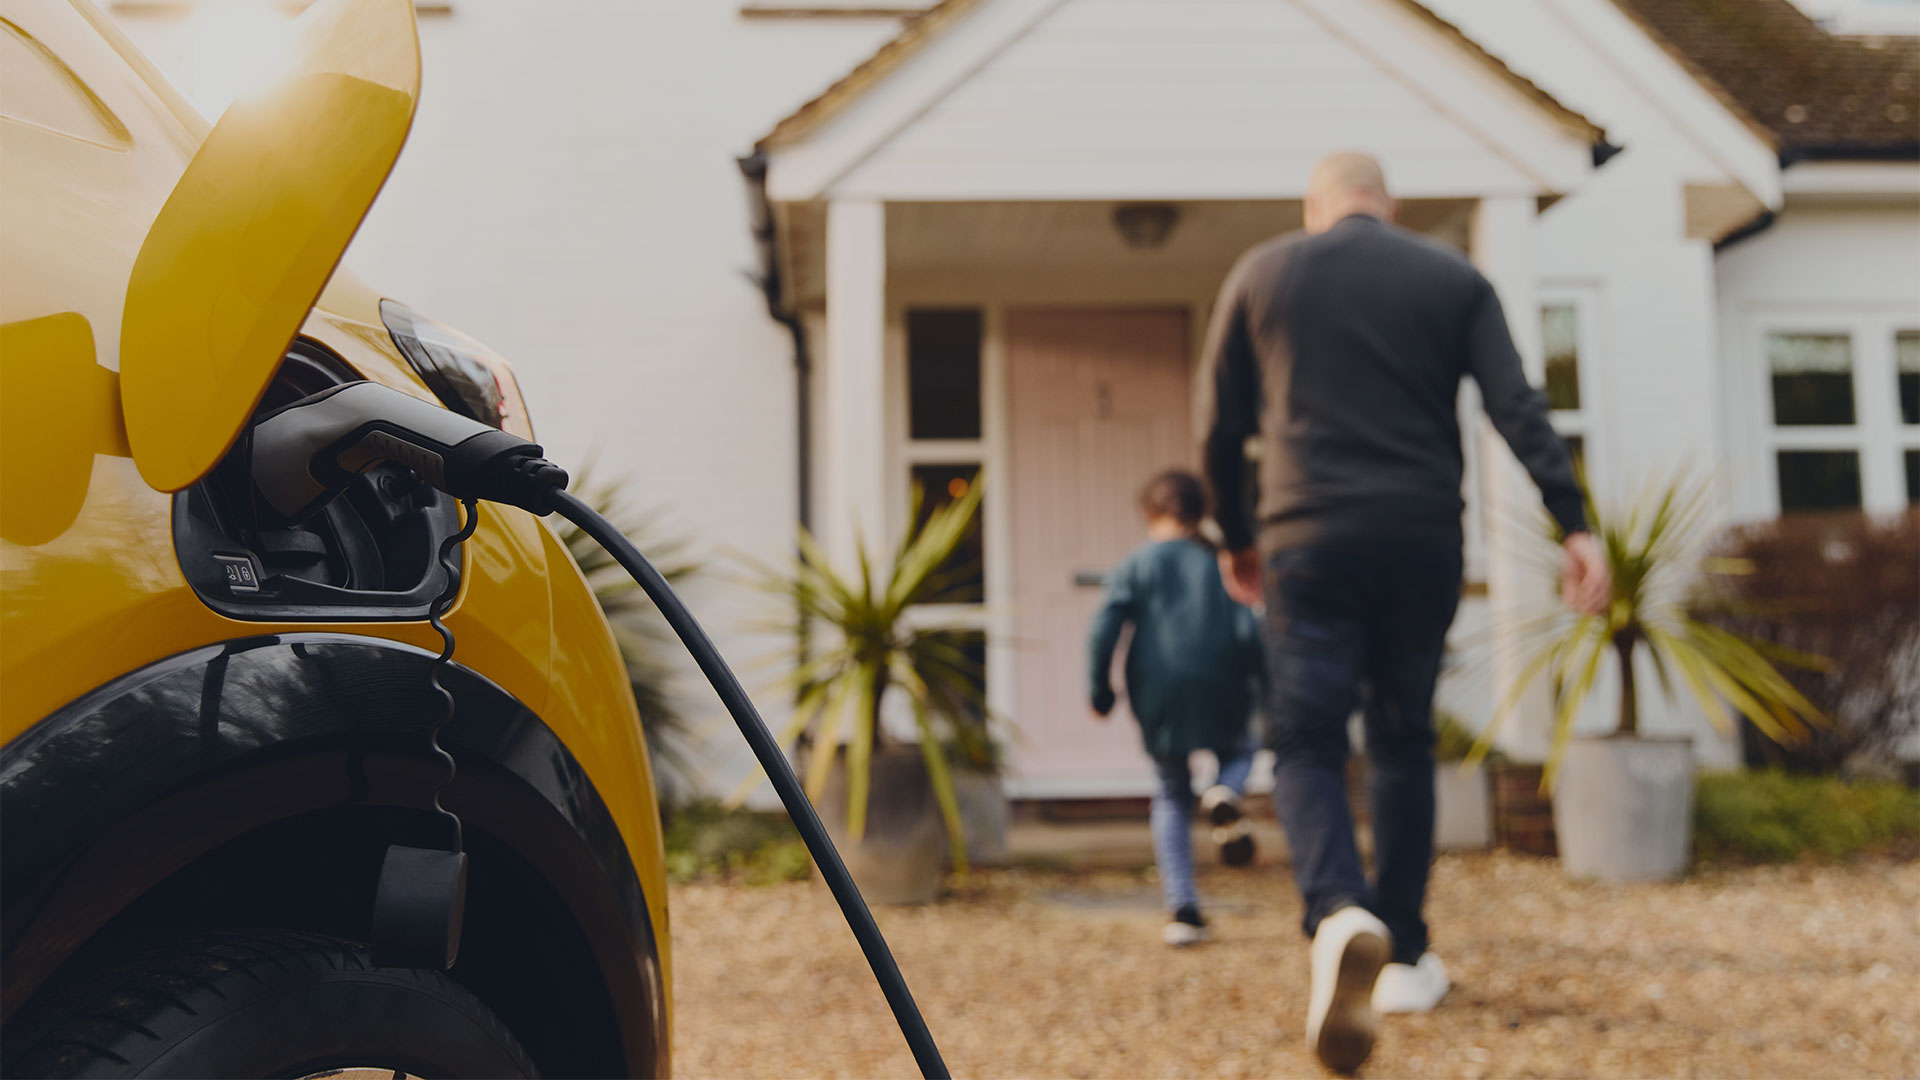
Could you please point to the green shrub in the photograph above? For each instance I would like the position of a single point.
(1838, 586)
(707, 840)
(1776, 817)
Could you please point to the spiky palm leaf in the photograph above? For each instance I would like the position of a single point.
(1652, 548)
(871, 645)
(646, 642)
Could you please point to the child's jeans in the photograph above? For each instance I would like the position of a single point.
(1172, 820)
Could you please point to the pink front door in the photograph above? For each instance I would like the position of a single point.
(1098, 403)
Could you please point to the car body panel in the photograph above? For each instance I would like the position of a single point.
(91, 584)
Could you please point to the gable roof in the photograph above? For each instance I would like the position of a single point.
(1811, 93)
(919, 29)
(924, 27)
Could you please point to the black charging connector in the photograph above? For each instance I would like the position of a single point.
(306, 453)
(309, 451)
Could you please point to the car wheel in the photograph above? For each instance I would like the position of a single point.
(253, 1003)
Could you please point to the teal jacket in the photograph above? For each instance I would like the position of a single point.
(1194, 664)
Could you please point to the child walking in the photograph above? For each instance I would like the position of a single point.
(1192, 670)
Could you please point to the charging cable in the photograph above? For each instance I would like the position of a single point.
(304, 455)
(779, 771)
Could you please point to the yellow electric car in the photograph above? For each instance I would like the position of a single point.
(214, 724)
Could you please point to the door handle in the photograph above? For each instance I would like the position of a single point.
(1089, 579)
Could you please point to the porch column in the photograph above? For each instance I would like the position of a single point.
(1503, 248)
(855, 392)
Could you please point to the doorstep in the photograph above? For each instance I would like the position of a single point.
(1119, 843)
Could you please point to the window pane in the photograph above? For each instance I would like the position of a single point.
(1906, 352)
(1577, 450)
(1913, 477)
(943, 374)
(1812, 378)
(1819, 480)
(962, 574)
(1560, 340)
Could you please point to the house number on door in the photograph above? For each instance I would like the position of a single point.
(1102, 401)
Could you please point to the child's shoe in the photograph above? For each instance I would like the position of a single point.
(1186, 928)
(1235, 842)
(1221, 805)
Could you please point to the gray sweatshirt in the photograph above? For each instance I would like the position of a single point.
(1344, 353)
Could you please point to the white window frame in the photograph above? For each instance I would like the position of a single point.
(909, 452)
(1877, 434)
(1585, 421)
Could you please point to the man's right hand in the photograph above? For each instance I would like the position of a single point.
(1240, 573)
(1585, 582)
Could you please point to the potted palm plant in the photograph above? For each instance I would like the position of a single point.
(1622, 802)
(889, 801)
(977, 756)
(1462, 805)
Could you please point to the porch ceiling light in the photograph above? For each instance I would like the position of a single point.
(1145, 226)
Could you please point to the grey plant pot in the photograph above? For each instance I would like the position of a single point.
(983, 816)
(901, 856)
(1623, 808)
(1462, 808)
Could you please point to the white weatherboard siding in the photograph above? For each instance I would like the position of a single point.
(1217, 99)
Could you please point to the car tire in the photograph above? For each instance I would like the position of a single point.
(261, 1003)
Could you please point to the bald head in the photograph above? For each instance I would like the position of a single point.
(1345, 183)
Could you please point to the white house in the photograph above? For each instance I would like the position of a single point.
(986, 235)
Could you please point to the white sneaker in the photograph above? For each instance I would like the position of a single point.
(1411, 988)
(1349, 949)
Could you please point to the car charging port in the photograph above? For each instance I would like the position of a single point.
(368, 555)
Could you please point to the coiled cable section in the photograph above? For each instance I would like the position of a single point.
(441, 605)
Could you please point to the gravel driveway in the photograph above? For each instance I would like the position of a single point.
(1778, 972)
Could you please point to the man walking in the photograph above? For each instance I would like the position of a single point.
(1342, 348)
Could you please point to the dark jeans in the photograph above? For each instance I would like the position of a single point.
(1358, 622)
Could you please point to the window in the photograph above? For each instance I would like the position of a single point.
(1812, 378)
(1906, 361)
(943, 374)
(1577, 450)
(1566, 335)
(938, 486)
(1842, 408)
(945, 444)
(1560, 341)
(1816, 480)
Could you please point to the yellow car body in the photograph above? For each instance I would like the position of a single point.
(153, 273)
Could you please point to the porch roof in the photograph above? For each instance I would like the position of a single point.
(922, 27)
(1447, 83)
